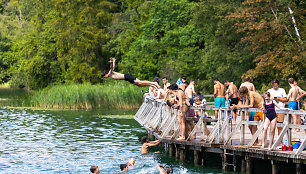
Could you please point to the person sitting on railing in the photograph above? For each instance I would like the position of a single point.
(127, 77)
(252, 100)
(269, 109)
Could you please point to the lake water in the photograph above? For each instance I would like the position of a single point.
(64, 141)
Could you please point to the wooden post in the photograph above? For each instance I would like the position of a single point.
(197, 157)
(177, 152)
(182, 155)
(171, 149)
(275, 167)
(243, 165)
(249, 164)
(299, 168)
(242, 128)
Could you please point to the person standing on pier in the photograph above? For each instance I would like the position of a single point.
(166, 83)
(252, 100)
(233, 95)
(182, 107)
(127, 77)
(279, 95)
(190, 92)
(219, 94)
(248, 84)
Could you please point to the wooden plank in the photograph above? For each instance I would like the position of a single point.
(257, 133)
(301, 148)
(279, 138)
(238, 125)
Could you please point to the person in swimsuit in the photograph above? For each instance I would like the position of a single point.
(248, 84)
(146, 144)
(219, 94)
(190, 92)
(269, 109)
(127, 77)
(166, 83)
(233, 95)
(164, 170)
(182, 107)
(124, 167)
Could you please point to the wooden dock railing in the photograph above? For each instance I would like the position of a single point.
(159, 118)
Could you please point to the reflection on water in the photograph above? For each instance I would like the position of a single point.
(34, 141)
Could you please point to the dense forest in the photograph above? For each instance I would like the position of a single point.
(50, 42)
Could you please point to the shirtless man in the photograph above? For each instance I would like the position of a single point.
(219, 94)
(294, 95)
(190, 92)
(253, 100)
(233, 95)
(146, 144)
(127, 77)
(248, 84)
(182, 106)
(166, 83)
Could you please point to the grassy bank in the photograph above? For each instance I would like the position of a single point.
(112, 94)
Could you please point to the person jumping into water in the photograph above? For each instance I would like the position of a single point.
(127, 77)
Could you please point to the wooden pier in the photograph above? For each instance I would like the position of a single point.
(227, 139)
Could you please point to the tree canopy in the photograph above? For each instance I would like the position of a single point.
(51, 42)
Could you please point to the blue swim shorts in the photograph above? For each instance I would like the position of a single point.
(293, 105)
(219, 102)
(251, 116)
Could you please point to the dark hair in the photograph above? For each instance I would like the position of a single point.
(275, 81)
(184, 78)
(169, 170)
(123, 166)
(243, 90)
(186, 83)
(216, 79)
(144, 139)
(165, 78)
(226, 81)
(93, 168)
(173, 87)
(268, 94)
(104, 72)
(291, 80)
(247, 79)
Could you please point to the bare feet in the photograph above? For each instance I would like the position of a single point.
(181, 138)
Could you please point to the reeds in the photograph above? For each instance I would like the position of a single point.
(112, 94)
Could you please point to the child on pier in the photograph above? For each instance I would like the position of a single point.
(269, 110)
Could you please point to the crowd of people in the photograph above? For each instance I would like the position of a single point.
(182, 94)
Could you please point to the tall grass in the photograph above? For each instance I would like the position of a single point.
(113, 94)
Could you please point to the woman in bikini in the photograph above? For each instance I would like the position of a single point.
(182, 106)
(269, 110)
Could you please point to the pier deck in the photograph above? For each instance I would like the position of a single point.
(225, 138)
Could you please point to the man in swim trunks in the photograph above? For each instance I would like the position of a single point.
(146, 144)
(248, 84)
(127, 77)
(253, 100)
(190, 92)
(294, 95)
(233, 95)
(219, 94)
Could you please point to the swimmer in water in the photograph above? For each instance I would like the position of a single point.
(124, 167)
(164, 170)
(146, 144)
(94, 169)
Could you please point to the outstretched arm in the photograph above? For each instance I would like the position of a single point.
(153, 143)
(161, 168)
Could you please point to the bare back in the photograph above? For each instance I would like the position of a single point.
(190, 91)
(219, 90)
(249, 85)
(233, 91)
(255, 99)
(293, 93)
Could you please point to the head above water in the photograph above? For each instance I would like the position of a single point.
(94, 169)
(144, 139)
(124, 167)
(169, 170)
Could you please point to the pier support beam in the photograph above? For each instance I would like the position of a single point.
(177, 152)
(249, 164)
(197, 157)
(299, 168)
(182, 155)
(171, 149)
(243, 165)
(275, 167)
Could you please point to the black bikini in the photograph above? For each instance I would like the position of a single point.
(270, 108)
